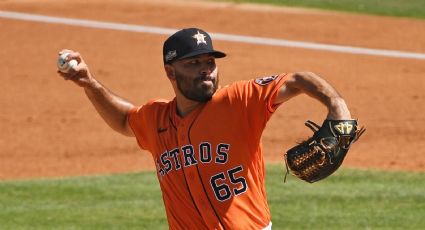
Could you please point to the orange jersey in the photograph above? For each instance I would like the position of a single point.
(210, 163)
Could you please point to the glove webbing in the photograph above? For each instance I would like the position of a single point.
(314, 127)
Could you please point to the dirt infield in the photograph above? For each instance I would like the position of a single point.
(49, 128)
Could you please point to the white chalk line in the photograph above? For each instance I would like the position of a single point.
(215, 36)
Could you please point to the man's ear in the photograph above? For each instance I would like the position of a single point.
(169, 70)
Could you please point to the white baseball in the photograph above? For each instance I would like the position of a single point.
(65, 66)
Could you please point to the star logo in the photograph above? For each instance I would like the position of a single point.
(200, 38)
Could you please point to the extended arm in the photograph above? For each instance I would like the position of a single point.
(112, 108)
(315, 87)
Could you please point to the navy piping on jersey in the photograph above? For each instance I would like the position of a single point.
(200, 178)
(184, 174)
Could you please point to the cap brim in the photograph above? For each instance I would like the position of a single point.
(215, 53)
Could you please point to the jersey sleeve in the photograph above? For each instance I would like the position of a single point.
(144, 121)
(137, 120)
(257, 98)
(264, 92)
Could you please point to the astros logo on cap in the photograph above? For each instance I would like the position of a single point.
(200, 38)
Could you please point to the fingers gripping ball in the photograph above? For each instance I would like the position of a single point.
(65, 65)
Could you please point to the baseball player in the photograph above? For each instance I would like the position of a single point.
(206, 142)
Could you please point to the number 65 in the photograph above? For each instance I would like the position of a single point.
(222, 190)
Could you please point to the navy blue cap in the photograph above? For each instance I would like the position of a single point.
(187, 43)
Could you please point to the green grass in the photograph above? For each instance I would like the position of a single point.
(350, 199)
(400, 8)
(130, 201)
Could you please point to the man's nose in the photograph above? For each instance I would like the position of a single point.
(205, 72)
(207, 69)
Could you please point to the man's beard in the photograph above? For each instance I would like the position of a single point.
(194, 89)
